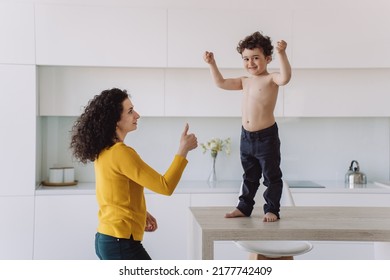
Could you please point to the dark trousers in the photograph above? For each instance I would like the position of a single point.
(260, 156)
(112, 248)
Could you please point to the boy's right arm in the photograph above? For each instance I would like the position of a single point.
(219, 80)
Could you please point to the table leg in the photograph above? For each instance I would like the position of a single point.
(207, 248)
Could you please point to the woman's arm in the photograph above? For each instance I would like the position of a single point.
(130, 164)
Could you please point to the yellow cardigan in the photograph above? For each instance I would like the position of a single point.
(121, 176)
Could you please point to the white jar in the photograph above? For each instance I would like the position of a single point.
(56, 175)
(68, 174)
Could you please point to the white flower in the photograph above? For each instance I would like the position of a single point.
(216, 145)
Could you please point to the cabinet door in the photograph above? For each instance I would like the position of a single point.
(17, 223)
(342, 38)
(341, 199)
(17, 125)
(192, 92)
(214, 199)
(338, 250)
(191, 32)
(170, 241)
(338, 93)
(65, 227)
(100, 36)
(64, 91)
(17, 33)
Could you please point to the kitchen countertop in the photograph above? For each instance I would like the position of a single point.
(340, 187)
(368, 224)
(183, 188)
(198, 187)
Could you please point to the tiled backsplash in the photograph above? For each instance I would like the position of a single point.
(312, 148)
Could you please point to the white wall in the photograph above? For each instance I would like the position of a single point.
(225, 4)
(312, 148)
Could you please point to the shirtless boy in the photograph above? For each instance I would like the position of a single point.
(260, 143)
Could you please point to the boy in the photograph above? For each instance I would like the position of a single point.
(260, 144)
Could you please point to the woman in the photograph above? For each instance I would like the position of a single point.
(121, 175)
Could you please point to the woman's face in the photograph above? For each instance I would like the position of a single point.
(128, 120)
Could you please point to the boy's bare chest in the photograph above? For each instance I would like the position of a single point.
(259, 87)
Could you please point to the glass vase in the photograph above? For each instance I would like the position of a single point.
(212, 180)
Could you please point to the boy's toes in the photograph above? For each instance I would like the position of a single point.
(270, 217)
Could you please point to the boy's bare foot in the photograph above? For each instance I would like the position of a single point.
(270, 217)
(235, 214)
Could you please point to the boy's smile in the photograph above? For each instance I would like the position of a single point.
(254, 61)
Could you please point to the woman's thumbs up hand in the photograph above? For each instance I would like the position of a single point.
(188, 142)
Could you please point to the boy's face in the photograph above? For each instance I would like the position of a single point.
(254, 61)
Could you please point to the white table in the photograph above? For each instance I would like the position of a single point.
(297, 223)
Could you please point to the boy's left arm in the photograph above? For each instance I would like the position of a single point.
(284, 76)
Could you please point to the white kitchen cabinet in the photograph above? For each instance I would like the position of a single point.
(339, 250)
(338, 93)
(17, 33)
(170, 240)
(192, 92)
(193, 31)
(342, 199)
(65, 227)
(64, 91)
(17, 223)
(17, 125)
(352, 37)
(215, 199)
(100, 36)
(328, 250)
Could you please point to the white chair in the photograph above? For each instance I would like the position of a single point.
(276, 249)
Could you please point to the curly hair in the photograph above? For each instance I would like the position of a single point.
(256, 40)
(95, 129)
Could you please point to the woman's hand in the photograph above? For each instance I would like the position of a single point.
(151, 223)
(188, 142)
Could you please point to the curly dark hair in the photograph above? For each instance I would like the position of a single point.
(95, 129)
(256, 40)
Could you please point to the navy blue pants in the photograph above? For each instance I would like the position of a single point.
(260, 156)
(112, 248)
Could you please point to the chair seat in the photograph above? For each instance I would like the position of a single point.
(276, 248)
